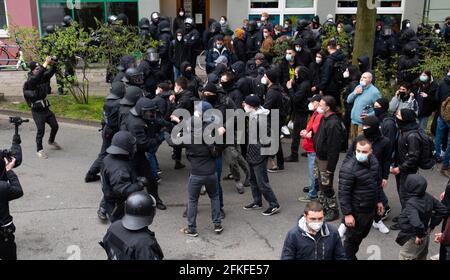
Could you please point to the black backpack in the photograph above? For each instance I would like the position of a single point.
(427, 159)
(339, 68)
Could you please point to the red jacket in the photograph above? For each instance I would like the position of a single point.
(313, 125)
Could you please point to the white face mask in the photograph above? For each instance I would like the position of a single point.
(408, 25)
(181, 14)
(315, 226)
(263, 18)
(311, 107)
(180, 38)
(264, 81)
(222, 22)
(298, 49)
(320, 110)
(339, 29)
(247, 109)
(346, 74)
(437, 31)
(286, 26)
(318, 60)
(265, 35)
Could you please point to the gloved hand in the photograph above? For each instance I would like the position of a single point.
(16, 139)
(142, 182)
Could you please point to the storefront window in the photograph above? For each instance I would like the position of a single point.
(299, 3)
(263, 4)
(53, 13)
(274, 19)
(296, 18)
(3, 23)
(347, 3)
(390, 3)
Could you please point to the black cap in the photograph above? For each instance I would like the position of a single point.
(32, 65)
(408, 115)
(253, 100)
(273, 75)
(315, 97)
(122, 143)
(210, 87)
(384, 103)
(371, 121)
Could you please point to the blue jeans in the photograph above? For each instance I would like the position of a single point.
(194, 187)
(259, 182)
(312, 179)
(176, 73)
(423, 123)
(219, 163)
(441, 125)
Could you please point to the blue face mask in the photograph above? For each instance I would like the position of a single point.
(362, 157)
(289, 57)
(423, 78)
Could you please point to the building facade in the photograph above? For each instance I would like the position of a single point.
(40, 13)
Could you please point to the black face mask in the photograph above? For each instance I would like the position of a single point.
(401, 123)
(227, 85)
(378, 112)
(188, 74)
(403, 96)
(212, 99)
(371, 132)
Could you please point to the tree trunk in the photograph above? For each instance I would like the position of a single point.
(365, 30)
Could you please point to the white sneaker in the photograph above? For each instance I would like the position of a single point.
(435, 257)
(342, 229)
(381, 227)
(55, 146)
(285, 130)
(42, 154)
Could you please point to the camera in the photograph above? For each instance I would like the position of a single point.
(17, 120)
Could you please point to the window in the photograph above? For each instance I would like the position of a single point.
(87, 14)
(53, 13)
(3, 19)
(299, 3)
(390, 3)
(347, 3)
(263, 4)
(130, 9)
(274, 19)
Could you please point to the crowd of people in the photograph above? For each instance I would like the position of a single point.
(330, 102)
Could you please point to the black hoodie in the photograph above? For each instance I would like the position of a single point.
(364, 64)
(243, 83)
(301, 91)
(327, 83)
(422, 211)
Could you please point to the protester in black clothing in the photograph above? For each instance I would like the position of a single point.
(316, 71)
(359, 195)
(299, 90)
(243, 83)
(240, 46)
(165, 39)
(35, 90)
(178, 21)
(253, 65)
(425, 93)
(388, 124)
(179, 53)
(408, 60)
(227, 81)
(288, 65)
(253, 41)
(192, 39)
(130, 238)
(303, 56)
(444, 237)
(194, 83)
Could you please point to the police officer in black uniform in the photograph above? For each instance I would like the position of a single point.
(10, 189)
(134, 81)
(139, 122)
(35, 90)
(126, 62)
(151, 67)
(192, 39)
(130, 238)
(118, 177)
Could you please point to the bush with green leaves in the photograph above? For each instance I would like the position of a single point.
(280, 47)
(435, 58)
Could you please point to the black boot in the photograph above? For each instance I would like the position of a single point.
(160, 205)
(331, 209)
(101, 213)
(90, 177)
(179, 165)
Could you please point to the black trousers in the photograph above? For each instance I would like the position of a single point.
(299, 124)
(8, 250)
(40, 119)
(354, 236)
(177, 152)
(142, 167)
(106, 142)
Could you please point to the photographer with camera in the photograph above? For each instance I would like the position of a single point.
(35, 91)
(10, 189)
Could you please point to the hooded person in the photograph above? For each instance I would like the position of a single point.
(421, 214)
(243, 83)
(364, 64)
(179, 53)
(388, 125)
(165, 39)
(194, 83)
(178, 22)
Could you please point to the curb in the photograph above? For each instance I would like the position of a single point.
(60, 119)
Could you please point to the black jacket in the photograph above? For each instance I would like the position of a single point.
(152, 75)
(10, 189)
(301, 92)
(443, 92)
(178, 23)
(304, 57)
(235, 94)
(243, 83)
(408, 155)
(327, 141)
(300, 245)
(118, 180)
(163, 103)
(185, 100)
(240, 49)
(422, 211)
(141, 131)
(179, 53)
(274, 99)
(327, 82)
(359, 186)
(123, 244)
(254, 155)
(285, 70)
(165, 40)
(253, 44)
(389, 129)
(427, 105)
(316, 72)
(251, 69)
(40, 83)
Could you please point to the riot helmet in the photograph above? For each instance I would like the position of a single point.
(140, 209)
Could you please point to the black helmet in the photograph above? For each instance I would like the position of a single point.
(117, 91)
(152, 55)
(67, 21)
(164, 26)
(145, 108)
(144, 23)
(122, 18)
(140, 209)
(155, 17)
(50, 29)
(134, 77)
(132, 95)
(252, 26)
(216, 27)
(302, 24)
(123, 143)
(189, 23)
(126, 62)
(112, 19)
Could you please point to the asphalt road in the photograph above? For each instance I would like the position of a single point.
(56, 218)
